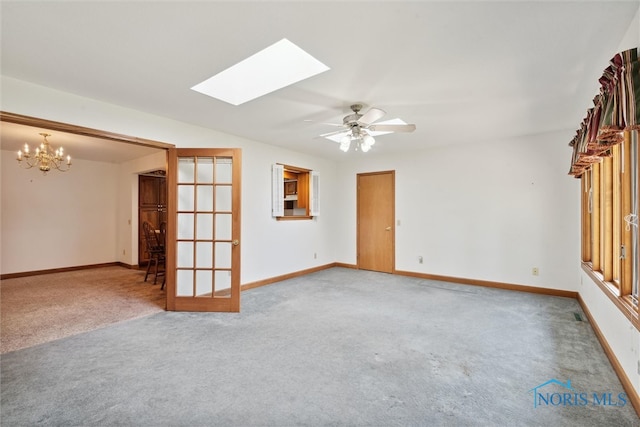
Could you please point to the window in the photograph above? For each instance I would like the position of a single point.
(605, 157)
(295, 192)
(610, 249)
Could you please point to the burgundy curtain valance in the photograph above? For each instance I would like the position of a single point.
(615, 109)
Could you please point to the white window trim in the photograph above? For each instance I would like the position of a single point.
(277, 190)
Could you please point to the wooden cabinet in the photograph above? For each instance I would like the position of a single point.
(303, 190)
(152, 207)
(290, 188)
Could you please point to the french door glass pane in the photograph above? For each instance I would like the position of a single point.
(185, 198)
(223, 198)
(205, 170)
(223, 255)
(223, 170)
(204, 254)
(204, 228)
(204, 282)
(185, 226)
(223, 226)
(205, 198)
(184, 257)
(223, 280)
(184, 283)
(186, 168)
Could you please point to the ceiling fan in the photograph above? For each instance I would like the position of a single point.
(361, 128)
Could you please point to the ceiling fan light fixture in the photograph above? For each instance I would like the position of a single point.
(368, 140)
(345, 143)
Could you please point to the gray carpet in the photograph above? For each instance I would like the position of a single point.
(337, 347)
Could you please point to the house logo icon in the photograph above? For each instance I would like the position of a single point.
(559, 394)
(537, 395)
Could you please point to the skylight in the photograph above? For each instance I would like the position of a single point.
(277, 66)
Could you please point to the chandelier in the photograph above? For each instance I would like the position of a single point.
(363, 141)
(44, 158)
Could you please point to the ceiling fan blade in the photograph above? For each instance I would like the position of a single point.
(336, 132)
(371, 116)
(392, 128)
(323, 123)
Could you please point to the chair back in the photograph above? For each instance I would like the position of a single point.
(162, 236)
(151, 238)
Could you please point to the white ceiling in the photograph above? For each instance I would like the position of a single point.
(463, 72)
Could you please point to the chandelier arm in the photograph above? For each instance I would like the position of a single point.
(59, 167)
(29, 163)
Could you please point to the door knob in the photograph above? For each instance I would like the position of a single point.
(388, 229)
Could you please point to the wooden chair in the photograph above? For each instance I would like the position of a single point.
(162, 235)
(162, 240)
(156, 253)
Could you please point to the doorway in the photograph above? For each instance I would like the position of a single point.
(223, 294)
(375, 221)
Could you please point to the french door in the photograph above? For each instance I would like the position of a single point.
(203, 229)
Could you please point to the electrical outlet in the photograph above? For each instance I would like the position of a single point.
(315, 255)
(420, 260)
(535, 271)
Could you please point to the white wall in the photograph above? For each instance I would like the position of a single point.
(270, 244)
(621, 335)
(490, 211)
(269, 247)
(58, 220)
(632, 37)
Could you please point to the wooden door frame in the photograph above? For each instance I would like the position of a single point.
(393, 216)
(80, 130)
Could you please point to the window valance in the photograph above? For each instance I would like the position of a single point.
(615, 109)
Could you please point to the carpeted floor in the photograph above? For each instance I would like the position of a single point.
(339, 347)
(38, 309)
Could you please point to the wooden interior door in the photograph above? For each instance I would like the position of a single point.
(203, 232)
(376, 218)
(152, 208)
